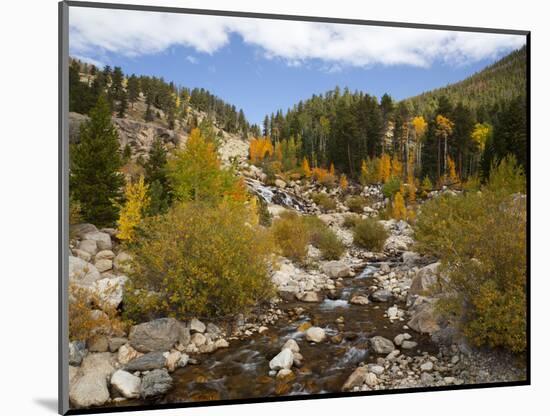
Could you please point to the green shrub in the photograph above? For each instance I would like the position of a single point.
(324, 201)
(322, 237)
(370, 234)
(350, 221)
(197, 260)
(291, 233)
(356, 203)
(264, 216)
(391, 187)
(481, 241)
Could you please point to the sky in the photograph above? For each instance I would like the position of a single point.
(263, 65)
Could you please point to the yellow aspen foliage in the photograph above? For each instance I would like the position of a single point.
(444, 126)
(384, 168)
(396, 167)
(343, 182)
(480, 134)
(131, 213)
(331, 170)
(399, 210)
(411, 188)
(420, 125)
(453, 178)
(260, 148)
(305, 168)
(364, 173)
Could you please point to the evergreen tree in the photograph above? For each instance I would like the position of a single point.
(95, 180)
(133, 89)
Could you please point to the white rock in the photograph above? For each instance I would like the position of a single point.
(81, 272)
(427, 366)
(315, 334)
(291, 345)
(89, 246)
(103, 240)
(197, 326)
(282, 360)
(126, 384)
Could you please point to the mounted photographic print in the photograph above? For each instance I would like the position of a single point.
(263, 207)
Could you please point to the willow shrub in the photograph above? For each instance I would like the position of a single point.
(370, 234)
(480, 238)
(293, 233)
(198, 260)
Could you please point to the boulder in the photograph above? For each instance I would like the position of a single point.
(381, 295)
(410, 258)
(359, 300)
(122, 263)
(221, 343)
(105, 255)
(279, 183)
(147, 362)
(82, 273)
(126, 354)
(398, 340)
(116, 342)
(89, 246)
(110, 290)
(310, 296)
(425, 279)
(103, 265)
(408, 345)
(213, 331)
(198, 339)
(73, 374)
(356, 379)
(89, 390)
(101, 362)
(77, 351)
(103, 240)
(158, 335)
(427, 366)
(126, 384)
(98, 343)
(197, 326)
(385, 268)
(81, 254)
(282, 360)
(335, 269)
(155, 383)
(79, 230)
(381, 345)
(172, 360)
(185, 336)
(424, 319)
(291, 345)
(315, 334)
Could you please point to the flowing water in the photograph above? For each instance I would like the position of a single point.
(241, 371)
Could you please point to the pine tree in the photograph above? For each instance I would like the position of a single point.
(95, 180)
(133, 89)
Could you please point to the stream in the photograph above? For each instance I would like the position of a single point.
(242, 370)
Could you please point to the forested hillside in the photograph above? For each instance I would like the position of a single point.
(445, 135)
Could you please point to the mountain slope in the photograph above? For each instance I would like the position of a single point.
(499, 82)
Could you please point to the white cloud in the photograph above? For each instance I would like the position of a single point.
(192, 59)
(135, 33)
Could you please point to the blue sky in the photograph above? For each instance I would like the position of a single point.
(261, 66)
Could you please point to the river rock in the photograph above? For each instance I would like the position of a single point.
(155, 383)
(410, 258)
(335, 269)
(385, 268)
(359, 300)
(292, 345)
(110, 289)
(298, 359)
(158, 335)
(424, 319)
(398, 340)
(98, 343)
(279, 183)
(126, 384)
(427, 379)
(122, 263)
(81, 254)
(371, 380)
(146, 362)
(315, 334)
(381, 345)
(172, 360)
(198, 339)
(89, 390)
(103, 265)
(116, 342)
(376, 369)
(427, 366)
(221, 343)
(381, 295)
(408, 345)
(184, 360)
(356, 379)
(77, 351)
(282, 360)
(89, 246)
(197, 326)
(82, 273)
(310, 297)
(79, 230)
(103, 240)
(285, 375)
(126, 354)
(425, 279)
(101, 362)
